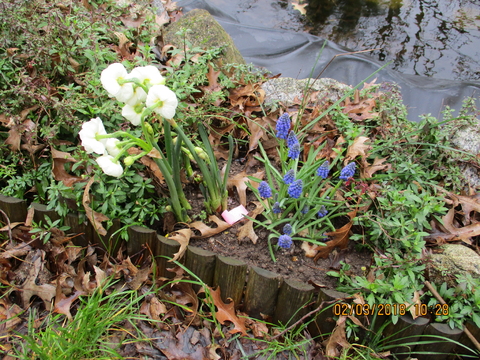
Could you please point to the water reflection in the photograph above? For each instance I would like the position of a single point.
(437, 38)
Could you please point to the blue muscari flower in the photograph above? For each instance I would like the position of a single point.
(294, 151)
(283, 126)
(305, 209)
(287, 229)
(264, 190)
(348, 171)
(289, 177)
(322, 212)
(285, 241)
(291, 139)
(323, 170)
(276, 209)
(295, 189)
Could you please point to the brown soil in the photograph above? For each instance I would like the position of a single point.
(292, 263)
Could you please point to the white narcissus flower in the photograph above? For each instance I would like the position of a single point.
(149, 75)
(139, 95)
(89, 130)
(165, 98)
(129, 113)
(110, 167)
(111, 146)
(109, 79)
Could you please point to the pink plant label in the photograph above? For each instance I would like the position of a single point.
(234, 215)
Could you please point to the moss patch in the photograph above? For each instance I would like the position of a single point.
(206, 33)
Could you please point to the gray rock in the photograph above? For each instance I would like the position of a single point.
(454, 260)
(205, 33)
(467, 138)
(285, 90)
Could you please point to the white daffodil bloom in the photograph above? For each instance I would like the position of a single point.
(149, 75)
(164, 98)
(109, 79)
(139, 95)
(110, 167)
(129, 113)
(90, 129)
(111, 146)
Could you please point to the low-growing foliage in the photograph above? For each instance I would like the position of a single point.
(369, 177)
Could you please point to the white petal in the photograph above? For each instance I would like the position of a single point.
(168, 100)
(125, 93)
(167, 111)
(89, 130)
(149, 75)
(109, 167)
(138, 97)
(110, 76)
(111, 146)
(131, 115)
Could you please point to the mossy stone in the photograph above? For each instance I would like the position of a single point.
(206, 33)
(454, 260)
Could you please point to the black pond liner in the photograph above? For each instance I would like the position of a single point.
(294, 54)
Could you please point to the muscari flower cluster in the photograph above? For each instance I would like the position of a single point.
(285, 241)
(295, 188)
(143, 88)
(322, 212)
(264, 190)
(283, 126)
(276, 208)
(283, 132)
(289, 177)
(348, 171)
(323, 170)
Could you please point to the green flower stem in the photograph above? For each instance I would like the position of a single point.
(215, 200)
(270, 249)
(188, 165)
(173, 155)
(134, 81)
(180, 212)
(144, 145)
(136, 157)
(121, 153)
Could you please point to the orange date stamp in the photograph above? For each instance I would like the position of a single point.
(341, 309)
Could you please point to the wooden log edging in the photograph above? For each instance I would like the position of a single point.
(263, 292)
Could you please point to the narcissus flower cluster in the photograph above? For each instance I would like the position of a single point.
(143, 92)
(143, 87)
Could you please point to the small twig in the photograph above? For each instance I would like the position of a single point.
(443, 302)
(9, 227)
(320, 307)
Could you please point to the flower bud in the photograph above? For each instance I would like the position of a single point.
(201, 153)
(168, 208)
(149, 128)
(129, 160)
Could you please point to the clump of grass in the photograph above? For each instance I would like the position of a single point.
(98, 329)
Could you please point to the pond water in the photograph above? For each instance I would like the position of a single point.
(433, 45)
(436, 38)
